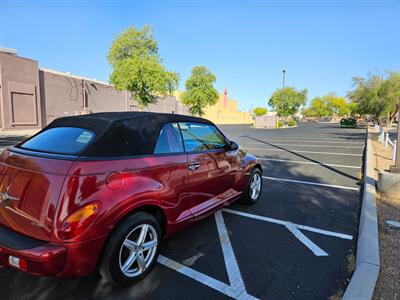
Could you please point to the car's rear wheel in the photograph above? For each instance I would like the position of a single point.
(132, 250)
(254, 187)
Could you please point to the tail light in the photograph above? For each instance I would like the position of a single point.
(17, 262)
(77, 222)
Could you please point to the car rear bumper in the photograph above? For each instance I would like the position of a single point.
(46, 259)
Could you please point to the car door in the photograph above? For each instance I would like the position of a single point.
(209, 169)
(171, 173)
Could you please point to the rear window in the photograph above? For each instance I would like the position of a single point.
(60, 140)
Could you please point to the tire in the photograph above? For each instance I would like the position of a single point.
(117, 255)
(248, 197)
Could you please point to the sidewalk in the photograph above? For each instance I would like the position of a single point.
(388, 285)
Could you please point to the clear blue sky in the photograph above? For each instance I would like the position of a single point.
(322, 44)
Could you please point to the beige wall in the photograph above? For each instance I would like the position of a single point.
(265, 121)
(227, 114)
(224, 114)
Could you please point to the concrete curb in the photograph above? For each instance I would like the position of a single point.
(362, 283)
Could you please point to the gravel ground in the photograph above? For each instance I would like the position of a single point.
(388, 285)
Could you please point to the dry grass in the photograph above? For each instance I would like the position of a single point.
(388, 285)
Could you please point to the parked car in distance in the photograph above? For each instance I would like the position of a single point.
(102, 191)
(348, 122)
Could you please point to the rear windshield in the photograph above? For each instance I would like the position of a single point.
(60, 140)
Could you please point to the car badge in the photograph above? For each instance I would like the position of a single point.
(5, 198)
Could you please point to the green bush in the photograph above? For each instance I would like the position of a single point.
(292, 123)
(280, 124)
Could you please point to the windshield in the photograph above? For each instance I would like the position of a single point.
(60, 140)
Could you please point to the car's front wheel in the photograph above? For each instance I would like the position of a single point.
(254, 187)
(132, 250)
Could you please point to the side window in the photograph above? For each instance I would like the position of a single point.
(169, 140)
(201, 137)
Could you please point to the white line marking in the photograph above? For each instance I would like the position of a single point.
(325, 232)
(236, 289)
(313, 183)
(308, 163)
(232, 267)
(200, 277)
(313, 140)
(301, 151)
(316, 146)
(256, 217)
(281, 222)
(305, 240)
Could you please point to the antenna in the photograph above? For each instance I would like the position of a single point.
(243, 128)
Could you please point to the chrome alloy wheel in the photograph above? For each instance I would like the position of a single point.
(138, 250)
(255, 186)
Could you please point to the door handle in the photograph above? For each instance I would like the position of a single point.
(193, 167)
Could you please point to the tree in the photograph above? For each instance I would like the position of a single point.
(328, 105)
(260, 111)
(200, 91)
(307, 112)
(377, 96)
(336, 105)
(319, 107)
(354, 110)
(392, 86)
(137, 67)
(286, 102)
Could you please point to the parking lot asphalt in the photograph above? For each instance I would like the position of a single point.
(297, 242)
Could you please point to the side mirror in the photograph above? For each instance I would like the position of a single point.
(233, 146)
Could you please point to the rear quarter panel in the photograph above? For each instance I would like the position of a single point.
(151, 181)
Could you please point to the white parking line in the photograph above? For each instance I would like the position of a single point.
(308, 163)
(305, 240)
(301, 151)
(313, 141)
(200, 277)
(236, 289)
(282, 222)
(294, 229)
(315, 146)
(313, 183)
(235, 278)
(318, 138)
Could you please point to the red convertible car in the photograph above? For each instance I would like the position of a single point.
(102, 190)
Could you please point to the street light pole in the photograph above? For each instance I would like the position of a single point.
(283, 79)
(283, 83)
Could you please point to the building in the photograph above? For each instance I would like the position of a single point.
(225, 111)
(31, 97)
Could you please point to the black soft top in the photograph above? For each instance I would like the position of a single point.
(119, 134)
